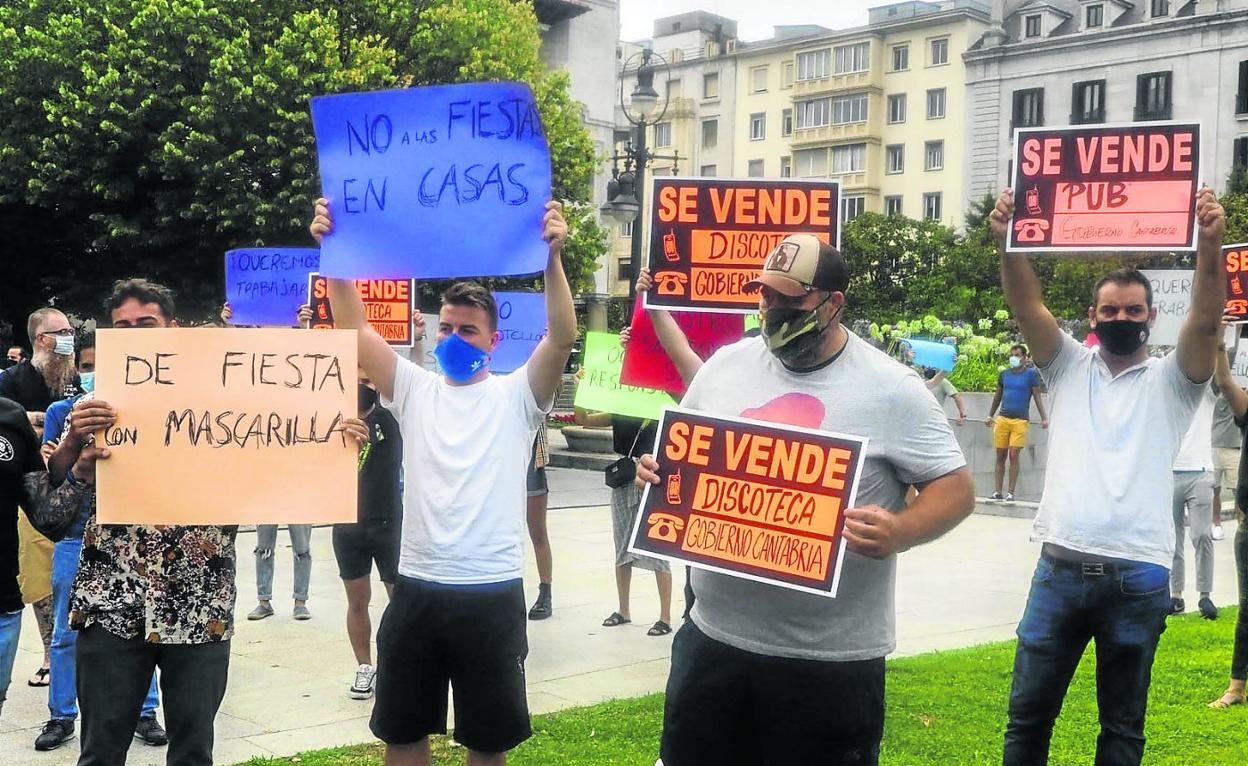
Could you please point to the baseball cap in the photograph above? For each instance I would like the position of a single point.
(802, 261)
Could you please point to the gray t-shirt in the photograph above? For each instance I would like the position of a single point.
(943, 390)
(1226, 434)
(862, 393)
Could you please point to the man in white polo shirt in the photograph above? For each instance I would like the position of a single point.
(1105, 516)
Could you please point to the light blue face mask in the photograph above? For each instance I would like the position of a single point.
(459, 359)
(86, 381)
(64, 345)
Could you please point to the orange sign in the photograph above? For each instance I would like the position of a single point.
(387, 307)
(710, 236)
(1236, 259)
(750, 499)
(227, 426)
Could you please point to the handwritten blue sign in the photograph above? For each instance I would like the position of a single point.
(433, 183)
(521, 323)
(938, 356)
(267, 285)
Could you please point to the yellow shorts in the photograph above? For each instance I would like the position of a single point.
(1010, 432)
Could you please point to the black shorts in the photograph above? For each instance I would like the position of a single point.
(472, 637)
(728, 707)
(357, 546)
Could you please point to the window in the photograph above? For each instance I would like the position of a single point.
(813, 65)
(897, 108)
(1239, 153)
(1160, 8)
(710, 133)
(853, 58)
(758, 126)
(851, 158)
(786, 122)
(1152, 96)
(1094, 16)
(936, 103)
(846, 109)
(710, 171)
(892, 205)
(810, 163)
(710, 85)
(1241, 97)
(934, 155)
(786, 167)
(895, 158)
(674, 88)
(624, 271)
(663, 134)
(852, 207)
(786, 75)
(901, 58)
(754, 169)
(940, 52)
(758, 79)
(1028, 108)
(1088, 102)
(931, 206)
(1031, 25)
(813, 114)
(626, 229)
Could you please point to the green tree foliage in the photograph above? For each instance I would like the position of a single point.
(146, 137)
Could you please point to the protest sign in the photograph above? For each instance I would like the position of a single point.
(266, 286)
(227, 426)
(750, 499)
(1236, 259)
(433, 183)
(927, 353)
(1126, 188)
(600, 388)
(1172, 297)
(521, 325)
(387, 307)
(646, 364)
(710, 236)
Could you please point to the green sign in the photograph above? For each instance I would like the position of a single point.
(600, 388)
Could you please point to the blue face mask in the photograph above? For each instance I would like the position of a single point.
(459, 359)
(86, 381)
(64, 345)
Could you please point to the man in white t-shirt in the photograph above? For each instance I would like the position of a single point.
(1105, 516)
(763, 675)
(458, 611)
(1193, 491)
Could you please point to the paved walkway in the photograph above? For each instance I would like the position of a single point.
(288, 683)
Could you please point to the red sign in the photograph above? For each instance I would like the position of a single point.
(1236, 259)
(710, 236)
(750, 499)
(388, 307)
(647, 365)
(1125, 188)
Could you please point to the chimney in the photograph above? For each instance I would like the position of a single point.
(995, 34)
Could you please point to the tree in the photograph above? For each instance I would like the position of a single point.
(147, 137)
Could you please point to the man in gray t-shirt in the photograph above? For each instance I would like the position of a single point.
(767, 675)
(1227, 439)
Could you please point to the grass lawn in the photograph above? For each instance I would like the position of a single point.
(945, 708)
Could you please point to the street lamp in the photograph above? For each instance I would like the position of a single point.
(624, 191)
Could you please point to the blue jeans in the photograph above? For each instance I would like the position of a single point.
(10, 631)
(266, 544)
(62, 686)
(1124, 610)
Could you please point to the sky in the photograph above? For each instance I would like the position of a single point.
(754, 18)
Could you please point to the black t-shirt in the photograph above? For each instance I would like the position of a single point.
(624, 435)
(25, 385)
(19, 455)
(381, 499)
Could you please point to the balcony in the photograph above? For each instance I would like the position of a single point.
(680, 108)
(1147, 113)
(1087, 118)
(869, 80)
(831, 134)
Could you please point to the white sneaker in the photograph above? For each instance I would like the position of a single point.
(365, 680)
(1009, 497)
(1217, 533)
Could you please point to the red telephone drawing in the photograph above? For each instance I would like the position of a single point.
(1237, 307)
(669, 247)
(1031, 229)
(671, 282)
(664, 527)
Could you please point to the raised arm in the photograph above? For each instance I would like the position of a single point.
(551, 355)
(376, 357)
(673, 339)
(1198, 340)
(1236, 397)
(1022, 289)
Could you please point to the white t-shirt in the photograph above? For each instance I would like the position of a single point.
(1112, 444)
(465, 451)
(1196, 450)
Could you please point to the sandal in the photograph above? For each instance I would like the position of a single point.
(659, 628)
(615, 619)
(40, 678)
(1228, 699)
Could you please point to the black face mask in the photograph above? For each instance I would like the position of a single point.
(368, 399)
(1122, 337)
(793, 335)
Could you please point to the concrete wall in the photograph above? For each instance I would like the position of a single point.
(976, 441)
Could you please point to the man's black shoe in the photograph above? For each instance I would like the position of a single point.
(55, 733)
(1207, 609)
(150, 731)
(1177, 606)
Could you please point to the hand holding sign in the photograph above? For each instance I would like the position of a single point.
(874, 531)
(1001, 214)
(1210, 216)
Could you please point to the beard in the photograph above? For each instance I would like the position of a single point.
(58, 371)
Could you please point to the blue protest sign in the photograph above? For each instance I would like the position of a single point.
(938, 356)
(433, 183)
(521, 323)
(267, 285)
